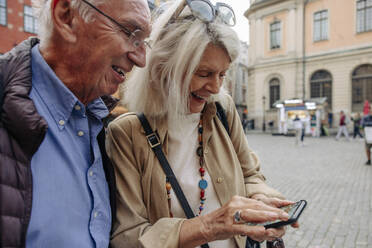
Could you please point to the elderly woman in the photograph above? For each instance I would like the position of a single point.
(192, 48)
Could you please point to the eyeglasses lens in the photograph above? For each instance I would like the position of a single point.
(137, 38)
(227, 16)
(202, 10)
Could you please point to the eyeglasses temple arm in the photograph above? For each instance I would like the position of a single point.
(111, 19)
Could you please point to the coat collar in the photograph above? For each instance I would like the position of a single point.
(19, 115)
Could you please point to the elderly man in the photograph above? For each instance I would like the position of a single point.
(55, 177)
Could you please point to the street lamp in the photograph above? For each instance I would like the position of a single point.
(263, 119)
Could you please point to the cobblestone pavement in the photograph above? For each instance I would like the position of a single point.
(332, 177)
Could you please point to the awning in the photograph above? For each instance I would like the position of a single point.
(287, 108)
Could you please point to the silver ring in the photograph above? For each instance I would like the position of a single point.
(237, 217)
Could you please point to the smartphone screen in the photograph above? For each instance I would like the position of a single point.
(294, 211)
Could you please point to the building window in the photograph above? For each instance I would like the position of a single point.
(321, 25)
(321, 86)
(29, 21)
(3, 14)
(361, 87)
(274, 88)
(364, 15)
(275, 35)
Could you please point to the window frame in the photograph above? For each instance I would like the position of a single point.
(26, 16)
(321, 36)
(321, 84)
(366, 12)
(5, 7)
(278, 35)
(362, 83)
(274, 83)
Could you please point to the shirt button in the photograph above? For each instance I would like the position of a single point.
(91, 173)
(80, 133)
(219, 180)
(61, 122)
(95, 214)
(77, 107)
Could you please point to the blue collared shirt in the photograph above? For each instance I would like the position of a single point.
(70, 205)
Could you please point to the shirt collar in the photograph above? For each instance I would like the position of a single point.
(56, 96)
(98, 108)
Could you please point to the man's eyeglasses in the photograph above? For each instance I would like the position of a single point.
(136, 38)
(207, 12)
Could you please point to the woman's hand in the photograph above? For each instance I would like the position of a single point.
(275, 202)
(221, 224)
(272, 201)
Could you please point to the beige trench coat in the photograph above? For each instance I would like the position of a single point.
(142, 209)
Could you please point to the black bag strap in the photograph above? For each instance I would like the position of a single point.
(155, 145)
(109, 173)
(222, 116)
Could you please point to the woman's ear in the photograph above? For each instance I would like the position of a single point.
(62, 17)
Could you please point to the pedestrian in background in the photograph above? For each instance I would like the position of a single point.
(342, 128)
(367, 126)
(323, 128)
(271, 125)
(366, 108)
(357, 120)
(245, 121)
(55, 176)
(178, 91)
(299, 129)
(330, 119)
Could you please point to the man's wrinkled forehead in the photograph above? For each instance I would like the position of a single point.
(136, 13)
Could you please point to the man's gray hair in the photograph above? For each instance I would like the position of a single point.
(42, 11)
(162, 87)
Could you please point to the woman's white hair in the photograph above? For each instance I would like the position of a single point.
(42, 11)
(162, 87)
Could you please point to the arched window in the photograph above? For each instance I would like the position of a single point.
(321, 86)
(361, 86)
(274, 88)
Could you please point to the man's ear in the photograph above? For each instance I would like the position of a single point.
(63, 16)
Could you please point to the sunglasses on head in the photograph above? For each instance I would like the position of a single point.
(205, 11)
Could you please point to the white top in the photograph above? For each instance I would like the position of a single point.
(297, 124)
(182, 157)
(368, 134)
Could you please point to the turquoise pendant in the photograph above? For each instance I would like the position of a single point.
(203, 184)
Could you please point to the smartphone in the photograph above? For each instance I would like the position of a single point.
(294, 211)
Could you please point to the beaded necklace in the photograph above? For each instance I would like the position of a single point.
(203, 184)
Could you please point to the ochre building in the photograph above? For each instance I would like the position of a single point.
(309, 49)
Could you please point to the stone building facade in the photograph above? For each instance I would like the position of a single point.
(308, 49)
(236, 81)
